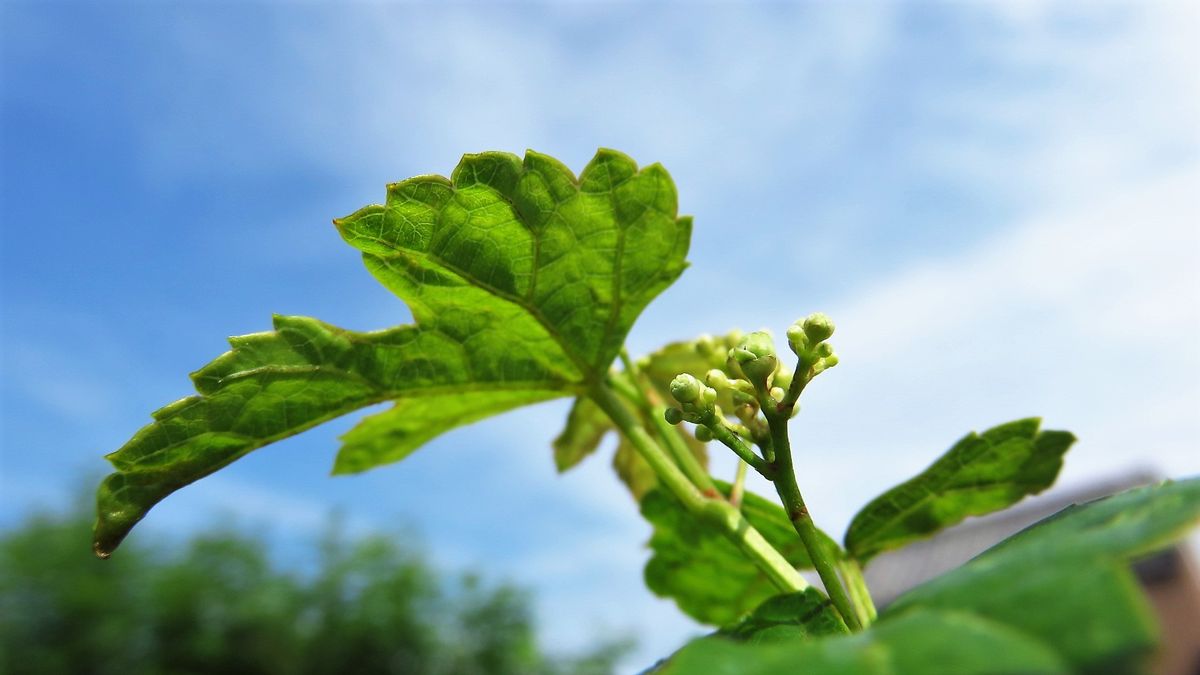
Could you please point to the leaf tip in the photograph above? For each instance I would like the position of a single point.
(101, 552)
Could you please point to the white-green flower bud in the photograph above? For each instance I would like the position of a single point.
(777, 393)
(756, 356)
(718, 379)
(824, 350)
(797, 340)
(705, 345)
(686, 388)
(673, 415)
(818, 327)
(708, 397)
(703, 434)
(783, 379)
(746, 412)
(756, 345)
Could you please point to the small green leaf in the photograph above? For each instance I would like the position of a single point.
(1067, 578)
(522, 280)
(586, 426)
(982, 473)
(788, 617)
(697, 566)
(916, 644)
(633, 471)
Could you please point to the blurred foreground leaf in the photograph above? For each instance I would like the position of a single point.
(1058, 597)
(920, 643)
(788, 617)
(1067, 579)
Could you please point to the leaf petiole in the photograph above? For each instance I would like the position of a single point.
(716, 512)
(666, 432)
(860, 595)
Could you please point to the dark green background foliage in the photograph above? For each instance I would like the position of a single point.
(217, 604)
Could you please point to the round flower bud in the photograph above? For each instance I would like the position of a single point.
(756, 355)
(824, 350)
(673, 415)
(686, 388)
(783, 379)
(708, 397)
(717, 378)
(703, 434)
(704, 345)
(754, 346)
(797, 340)
(777, 393)
(818, 327)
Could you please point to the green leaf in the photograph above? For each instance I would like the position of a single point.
(522, 280)
(1067, 578)
(696, 565)
(982, 473)
(788, 617)
(633, 471)
(916, 644)
(586, 426)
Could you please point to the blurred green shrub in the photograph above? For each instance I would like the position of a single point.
(217, 604)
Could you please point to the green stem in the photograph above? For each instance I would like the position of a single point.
(800, 379)
(859, 593)
(667, 433)
(739, 486)
(793, 503)
(730, 440)
(717, 512)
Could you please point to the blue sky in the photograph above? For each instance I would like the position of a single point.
(998, 203)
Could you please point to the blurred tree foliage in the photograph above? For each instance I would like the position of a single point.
(218, 605)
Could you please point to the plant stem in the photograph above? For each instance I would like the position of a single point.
(793, 503)
(800, 379)
(666, 432)
(859, 593)
(717, 512)
(739, 486)
(734, 443)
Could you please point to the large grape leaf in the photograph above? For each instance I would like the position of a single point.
(1067, 579)
(982, 473)
(696, 565)
(522, 280)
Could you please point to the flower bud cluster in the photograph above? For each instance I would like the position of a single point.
(696, 400)
(807, 339)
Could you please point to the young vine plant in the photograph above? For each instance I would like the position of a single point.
(523, 281)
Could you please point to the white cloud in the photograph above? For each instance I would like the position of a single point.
(1087, 318)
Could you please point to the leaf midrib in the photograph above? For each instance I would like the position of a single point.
(942, 490)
